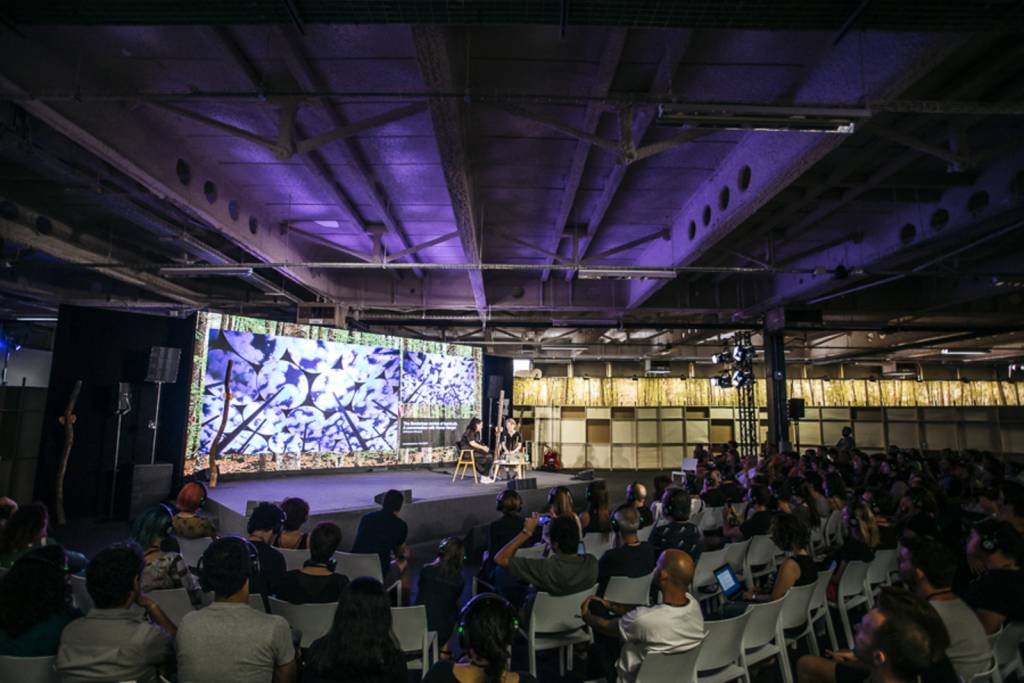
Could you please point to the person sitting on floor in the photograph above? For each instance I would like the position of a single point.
(164, 569)
(564, 571)
(264, 524)
(188, 520)
(632, 557)
(316, 582)
(296, 512)
(487, 628)
(679, 532)
(113, 642)
(229, 641)
(997, 595)
(674, 625)
(35, 604)
(440, 587)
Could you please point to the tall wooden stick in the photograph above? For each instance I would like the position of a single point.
(68, 422)
(215, 445)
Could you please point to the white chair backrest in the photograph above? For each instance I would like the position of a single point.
(712, 518)
(735, 555)
(709, 561)
(878, 569)
(763, 625)
(1006, 643)
(536, 551)
(256, 602)
(594, 542)
(834, 528)
(193, 548)
(409, 625)
(294, 559)
(645, 533)
(821, 588)
(852, 580)
(34, 669)
(559, 614)
(668, 668)
(761, 551)
(354, 565)
(175, 602)
(81, 596)
(629, 591)
(313, 619)
(794, 609)
(722, 642)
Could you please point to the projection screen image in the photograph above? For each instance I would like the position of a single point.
(304, 397)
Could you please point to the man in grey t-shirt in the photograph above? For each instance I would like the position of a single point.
(229, 642)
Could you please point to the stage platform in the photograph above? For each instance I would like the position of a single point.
(439, 507)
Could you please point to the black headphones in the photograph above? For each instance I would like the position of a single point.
(631, 496)
(329, 564)
(34, 557)
(442, 548)
(278, 523)
(499, 501)
(169, 529)
(988, 534)
(254, 561)
(480, 599)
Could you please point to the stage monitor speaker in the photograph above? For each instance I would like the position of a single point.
(163, 365)
(406, 495)
(140, 487)
(584, 475)
(795, 408)
(124, 398)
(522, 484)
(495, 383)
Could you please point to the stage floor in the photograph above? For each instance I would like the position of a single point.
(331, 493)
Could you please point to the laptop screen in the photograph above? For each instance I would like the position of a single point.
(728, 581)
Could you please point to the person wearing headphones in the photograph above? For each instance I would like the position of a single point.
(631, 557)
(439, 588)
(164, 568)
(636, 496)
(759, 521)
(679, 533)
(997, 595)
(317, 581)
(487, 626)
(114, 641)
(188, 519)
(229, 641)
(265, 523)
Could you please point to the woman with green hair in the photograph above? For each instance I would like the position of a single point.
(164, 568)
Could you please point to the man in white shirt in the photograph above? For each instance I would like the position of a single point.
(674, 625)
(928, 567)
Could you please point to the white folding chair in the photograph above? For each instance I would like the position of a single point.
(760, 559)
(721, 654)
(852, 592)
(175, 603)
(354, 565)
(878, 570)
(555, 624)
(34, 669)
(536, 552)
(629, 591)
(762, 636)
(834, 529)
(1006, 647)
(645, 533)
(990, 673)
(818, 544)
(705, 586)
(818, 609)
(711, 519)
(595, 543)
(659, 667)
(795, 613)
(736, 557)
(409, 625)
(193, 548)
(294, 559)
(79, 594)
(312, 620)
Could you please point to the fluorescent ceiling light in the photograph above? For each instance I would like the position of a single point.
(966, 352)
(625, 274)
(521, 364)
(36, 318)
(683, 115)
(205, 271)
(328, 224)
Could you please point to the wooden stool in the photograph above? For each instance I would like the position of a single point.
(519, 467)
(467, 461)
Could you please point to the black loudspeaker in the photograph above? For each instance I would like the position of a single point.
(522, 484)
(140, 487)
(495, 383)
(406, 494)
(124, 398)
(795, 408)
(163, 365)
(584, 475)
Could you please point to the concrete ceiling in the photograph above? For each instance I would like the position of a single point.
(456, 181)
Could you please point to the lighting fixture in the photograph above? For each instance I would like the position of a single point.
(205, 271)
(742, 353)
(741, 378)
(36, 318)
(722, 382)
(569, 349)
(521, 365)
(723, 357)
(327, 224)
(625, 274)
(966, 352)
(760, 119)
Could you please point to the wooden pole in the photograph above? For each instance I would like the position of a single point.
(67, 420)
(215, 445)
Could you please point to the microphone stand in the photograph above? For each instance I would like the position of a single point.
(117, 451)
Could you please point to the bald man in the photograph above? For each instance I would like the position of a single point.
(674, 625)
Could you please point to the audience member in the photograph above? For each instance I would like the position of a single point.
(997, 595)
(383, 532)
(633, 557)
(487, 627)
(113, 642)
(679, 533)
(927, 568)
(636, 497)
(35, 604)
(164, 569)
(229, 641)
(661, 484)
(316, 581)
(713, 495)
(758, 522)
(674, 625)
(564, 571)
(264, 524)
(916, 514)
(360, 647)
(847, 442)
(502, 530)
(188, 520)
(24, 531)
(560, 504)
(8, 507)
(440, 586)
(794, 538)
(597, 518)
(296, 512)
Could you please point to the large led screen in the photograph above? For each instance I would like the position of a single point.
(304, 397)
